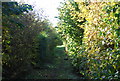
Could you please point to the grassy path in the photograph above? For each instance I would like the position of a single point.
(59, 69)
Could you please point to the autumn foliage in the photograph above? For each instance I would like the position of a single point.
(91, 34)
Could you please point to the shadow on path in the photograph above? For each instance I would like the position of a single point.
(59, 69)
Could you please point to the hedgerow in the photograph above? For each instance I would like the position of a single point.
(91, 32)
(27, 40)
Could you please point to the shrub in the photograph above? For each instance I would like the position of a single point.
(98, 55)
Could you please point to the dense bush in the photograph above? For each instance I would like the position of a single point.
(96, 54)
(68, 27)
(14, 40)
(26, 39)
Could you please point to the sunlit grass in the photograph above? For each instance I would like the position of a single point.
(60, 46)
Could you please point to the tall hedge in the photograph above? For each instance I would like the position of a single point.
(23, 42)
(99, 54)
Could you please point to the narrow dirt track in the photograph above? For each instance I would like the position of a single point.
(59, 69)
